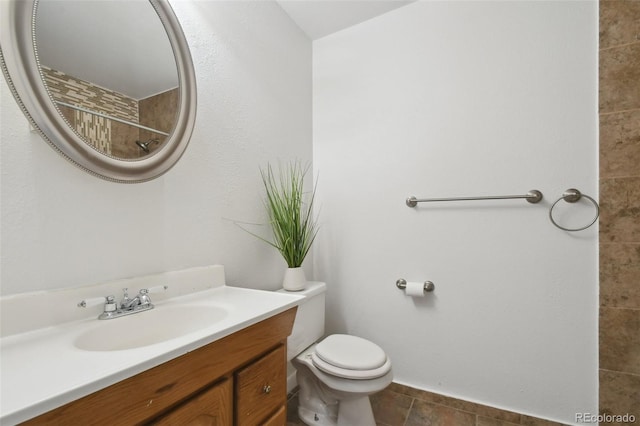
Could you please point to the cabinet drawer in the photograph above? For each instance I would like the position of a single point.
(211, 407)
(261, 388)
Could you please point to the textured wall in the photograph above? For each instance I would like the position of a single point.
(440, 99)
(620, 202)
(62, 227)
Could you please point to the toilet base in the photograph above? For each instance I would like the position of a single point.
(316, 406)
(351, 412)
(356, 411)
(309, 417)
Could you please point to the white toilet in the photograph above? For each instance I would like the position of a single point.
(336, 375)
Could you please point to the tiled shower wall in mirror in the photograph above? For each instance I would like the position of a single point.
(109, 136)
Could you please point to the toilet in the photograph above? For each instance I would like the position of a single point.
(335, 375)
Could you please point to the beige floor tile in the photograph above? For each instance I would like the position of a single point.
(424, 413)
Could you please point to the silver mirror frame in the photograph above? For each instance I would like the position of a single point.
(21, 69)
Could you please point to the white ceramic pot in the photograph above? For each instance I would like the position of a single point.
(294, 279)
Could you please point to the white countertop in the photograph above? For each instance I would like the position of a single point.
(43, 369)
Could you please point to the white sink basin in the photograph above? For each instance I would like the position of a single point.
(50, 366)
(149, 327)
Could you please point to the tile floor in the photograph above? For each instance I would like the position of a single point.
(400, 405)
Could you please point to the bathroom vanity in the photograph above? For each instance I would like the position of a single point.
(207, 354)
(237, 380)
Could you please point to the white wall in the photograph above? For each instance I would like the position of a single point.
(451, 99)
(62, 227)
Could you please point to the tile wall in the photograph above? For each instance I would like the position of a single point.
(109, 136)
(105, 135)
(620, 207)
(88, 95)
(158, 112)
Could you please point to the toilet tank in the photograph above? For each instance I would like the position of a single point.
(308, 326)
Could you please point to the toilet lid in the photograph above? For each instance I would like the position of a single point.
(350, 352)
(350, 374)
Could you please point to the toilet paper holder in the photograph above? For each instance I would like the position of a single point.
(428, 285)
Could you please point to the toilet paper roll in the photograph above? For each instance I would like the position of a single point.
(414, 289)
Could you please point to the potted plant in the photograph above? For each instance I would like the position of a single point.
(290, 213)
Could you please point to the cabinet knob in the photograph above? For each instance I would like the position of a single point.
(266, 389)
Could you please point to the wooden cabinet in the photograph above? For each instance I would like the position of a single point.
(261, 388)
(278, 419)
(237, 380)
(211, 407)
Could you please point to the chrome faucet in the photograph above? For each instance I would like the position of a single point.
(142, 302)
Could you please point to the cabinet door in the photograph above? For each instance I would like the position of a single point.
(261, 388)
(211, 407)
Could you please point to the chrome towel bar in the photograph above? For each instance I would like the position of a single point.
(533, 196)
(571, 196)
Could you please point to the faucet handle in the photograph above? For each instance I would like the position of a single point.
(109, 302)
(156, 289)
(91, 302)
(143, 293)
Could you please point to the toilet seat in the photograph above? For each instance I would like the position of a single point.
(350, 357)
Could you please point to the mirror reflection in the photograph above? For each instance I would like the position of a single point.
(110, 69)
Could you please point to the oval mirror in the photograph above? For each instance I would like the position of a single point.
(110, 85)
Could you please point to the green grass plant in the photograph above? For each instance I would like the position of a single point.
(290, 215)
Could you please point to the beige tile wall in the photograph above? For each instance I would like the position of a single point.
(620, 207)
(158, 112)
(108, 136)
(79, 92)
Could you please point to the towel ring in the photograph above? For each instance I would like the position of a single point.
(572, 195)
